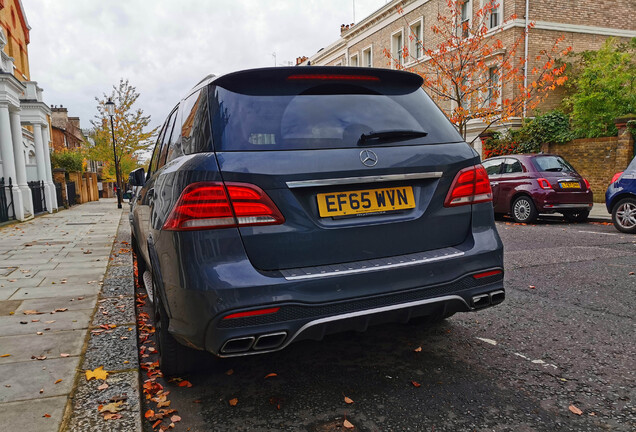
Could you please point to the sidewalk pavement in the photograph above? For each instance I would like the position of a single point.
(51, 269)
(599, 213)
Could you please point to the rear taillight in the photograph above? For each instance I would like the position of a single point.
(544, 183)
(206, 205)
(587, 183)
(470, 186)
(616, 177)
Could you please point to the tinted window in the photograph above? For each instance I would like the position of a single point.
(154, 162)
(323, 116)
(552, 164)
(632, 167)
(166, 139)
(174, 143)
(493, 166)
(195, 126)
(512, 166)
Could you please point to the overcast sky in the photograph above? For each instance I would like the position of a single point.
(80, 49)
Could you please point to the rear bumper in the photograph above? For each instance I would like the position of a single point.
(199, 290)
(550, 201)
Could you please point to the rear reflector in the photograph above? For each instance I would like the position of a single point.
(252, 313)
(470, 186)
(206, 205)
(330, 77)
(486, 274)
(544, 183)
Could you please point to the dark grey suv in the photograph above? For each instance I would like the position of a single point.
(288, 203)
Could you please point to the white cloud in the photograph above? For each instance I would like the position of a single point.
(80, 49)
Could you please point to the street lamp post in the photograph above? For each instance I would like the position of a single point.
(110, 109)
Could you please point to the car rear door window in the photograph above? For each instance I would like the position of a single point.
(166, 139)
(493, 166)
(512, 166)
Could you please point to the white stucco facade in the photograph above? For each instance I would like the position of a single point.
(24, 139)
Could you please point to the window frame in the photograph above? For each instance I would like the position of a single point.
(413, 45)
(399, 47)
(469, 10)
(498, 11)
(497, 159)
(368, 49)
(357, 57)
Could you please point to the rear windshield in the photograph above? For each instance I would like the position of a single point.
(323, 116)
(552, 164)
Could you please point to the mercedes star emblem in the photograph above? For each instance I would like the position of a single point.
(368, 158)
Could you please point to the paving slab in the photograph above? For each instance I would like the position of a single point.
(29, 416)
(26, 379)
(6, 292)
(67, 290)
(50, 344)
(20, 324)
(20, 283)
(49, 304)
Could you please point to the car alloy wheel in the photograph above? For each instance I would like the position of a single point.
(624, 215)
(523, 210)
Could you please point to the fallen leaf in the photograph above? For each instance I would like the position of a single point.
(38, 357)
(157, 423)
(348, 424)
(61, 310)
(98, 373)
(39, 333)
(41, 391)
(229, 372)
(416, 384)
(348, 400)
(32, 312)
(102, 386)
(5, 355)
(175, 418)
(64, 355)
(112, 407)
(111, 416)
(575, 410)
(149, 413)
(233, 402)
(418, 349)
(270, 375)
(532, 287)
(58, 381)
(185, 383)
(47, 415)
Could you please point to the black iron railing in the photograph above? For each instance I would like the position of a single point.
(70, 193)
(6, 201)
(37, 193)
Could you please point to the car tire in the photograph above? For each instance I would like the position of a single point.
(138, 271)
(523, 210)
(174, 358)
(577, 216)
(624, 215)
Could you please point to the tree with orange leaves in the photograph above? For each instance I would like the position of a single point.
(475, 73)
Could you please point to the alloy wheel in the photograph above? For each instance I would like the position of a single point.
(626, 215)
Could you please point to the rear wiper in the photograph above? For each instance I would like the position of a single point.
(557, 169)
(390, 135)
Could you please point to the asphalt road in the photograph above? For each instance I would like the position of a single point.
(564, 336)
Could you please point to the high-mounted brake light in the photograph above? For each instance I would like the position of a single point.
(470, 186)
(544, 183)
(207, 205)
(332, 77)
(616, 177)
(252, 313)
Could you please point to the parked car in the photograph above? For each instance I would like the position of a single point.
(526, 185)
(620, 199)
(284, 204)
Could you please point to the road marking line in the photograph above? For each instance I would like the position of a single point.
(538, 362)
(490, 341)
(594, 232)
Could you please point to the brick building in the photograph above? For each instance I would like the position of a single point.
(24, 120)
(66, 131)
(585, 24)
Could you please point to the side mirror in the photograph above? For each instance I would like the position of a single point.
(137, 177)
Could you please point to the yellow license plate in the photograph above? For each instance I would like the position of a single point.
(570, 185)
(365, 201)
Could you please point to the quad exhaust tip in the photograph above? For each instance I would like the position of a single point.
(263, 342)
(489, 299)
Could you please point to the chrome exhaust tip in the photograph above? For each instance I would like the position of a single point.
(269, 341)
(238, 345)
(481, 301)
(497, 297)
